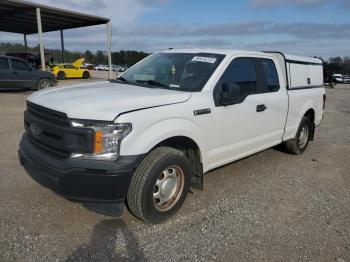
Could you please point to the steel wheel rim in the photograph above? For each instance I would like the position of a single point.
(303, 136)
(44, 84)
(168, 188)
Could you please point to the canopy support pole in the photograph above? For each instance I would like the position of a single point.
(62, 46)
(41, 39)
(109, 49)
(25, 43)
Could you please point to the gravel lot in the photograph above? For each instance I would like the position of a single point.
(268, 207)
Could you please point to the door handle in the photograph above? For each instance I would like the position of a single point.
(15, 72)
(260, 108)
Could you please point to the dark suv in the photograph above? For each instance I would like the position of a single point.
(16, 73)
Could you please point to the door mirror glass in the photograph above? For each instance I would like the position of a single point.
(230, 94)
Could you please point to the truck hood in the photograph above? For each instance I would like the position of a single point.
(104, 100)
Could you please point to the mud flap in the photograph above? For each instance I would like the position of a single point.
(312, 133)
(197, 175)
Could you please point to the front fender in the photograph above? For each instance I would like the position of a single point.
(141, 142)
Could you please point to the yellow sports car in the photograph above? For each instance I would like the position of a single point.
(73, 70)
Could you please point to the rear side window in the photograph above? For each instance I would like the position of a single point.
(19, 65)
(69, 67)
(4, 64)
(242, 72)
(271, 76)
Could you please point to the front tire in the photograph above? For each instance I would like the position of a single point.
(86, 75)
(159, 185)
(61, 75)
(298, 144)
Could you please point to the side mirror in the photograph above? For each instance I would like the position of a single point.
(230, 94)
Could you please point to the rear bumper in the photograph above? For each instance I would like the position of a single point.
(78, 179)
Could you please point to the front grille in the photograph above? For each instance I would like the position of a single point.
(49, 149)
(52, 123)
(51, 132)
(49, 115)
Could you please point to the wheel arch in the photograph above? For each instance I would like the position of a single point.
(310, 113)
(192, 150)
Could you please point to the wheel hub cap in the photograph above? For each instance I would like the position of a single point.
(168, 188)
(303, 136)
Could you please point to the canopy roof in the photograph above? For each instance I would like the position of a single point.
(18, 16)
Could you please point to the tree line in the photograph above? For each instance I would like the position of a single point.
(332, 65)
(122, 57)
(337, 65)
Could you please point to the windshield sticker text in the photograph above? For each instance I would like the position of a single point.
(204, 59)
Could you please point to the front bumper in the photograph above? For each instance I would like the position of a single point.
(79, 179)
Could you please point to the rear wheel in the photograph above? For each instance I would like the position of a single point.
(159, 185)
(43, 83)
(86, 75)
(298, 144)
(61, 75)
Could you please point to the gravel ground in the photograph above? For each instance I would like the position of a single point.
(268, 207)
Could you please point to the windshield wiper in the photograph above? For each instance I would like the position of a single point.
(121, 79)
(152, 83)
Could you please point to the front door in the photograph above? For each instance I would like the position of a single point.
(5, 74)
(22, 75)
(71, 71)
(238, 129)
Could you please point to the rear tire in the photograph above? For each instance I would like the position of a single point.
(159, 185)
(298, 144)
(43, 83)
(86, 75)
(61, 75)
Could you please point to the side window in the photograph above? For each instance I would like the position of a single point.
(242, 72)
(69, 66)
(4, 64)
(271, 76)
(19, 65)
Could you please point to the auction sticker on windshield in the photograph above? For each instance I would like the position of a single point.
(204, 59)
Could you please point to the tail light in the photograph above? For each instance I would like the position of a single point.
(324, 100)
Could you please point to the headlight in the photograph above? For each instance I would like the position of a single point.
(107, 139)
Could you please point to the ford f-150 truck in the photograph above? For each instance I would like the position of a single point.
(145, 138)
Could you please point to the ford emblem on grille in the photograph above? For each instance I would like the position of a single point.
(35, 129)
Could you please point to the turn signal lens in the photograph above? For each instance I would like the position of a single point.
(98, 141)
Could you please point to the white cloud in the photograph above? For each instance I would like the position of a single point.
(268, 3)
(121, 12)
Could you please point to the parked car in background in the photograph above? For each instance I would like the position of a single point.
(32, 59)
(122, 68)
(338, 78)
(101, 67)
(148, 136)
(73, 70)
(87, 66)
(346, 79)
(16, 73)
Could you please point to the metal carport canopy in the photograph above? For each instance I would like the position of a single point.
(27, 18)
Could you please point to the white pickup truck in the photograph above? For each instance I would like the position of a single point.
(145, 138)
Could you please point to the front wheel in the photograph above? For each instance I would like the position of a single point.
(43, 83)
(61, 75)
(159, 185)
(298, 144)
(86, 75)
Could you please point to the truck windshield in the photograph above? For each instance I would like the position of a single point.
(177, 71)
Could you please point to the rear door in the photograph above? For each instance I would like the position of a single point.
(275, 100)
(23, 76)
(5, 74)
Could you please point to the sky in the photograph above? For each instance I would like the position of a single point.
(301, 27)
